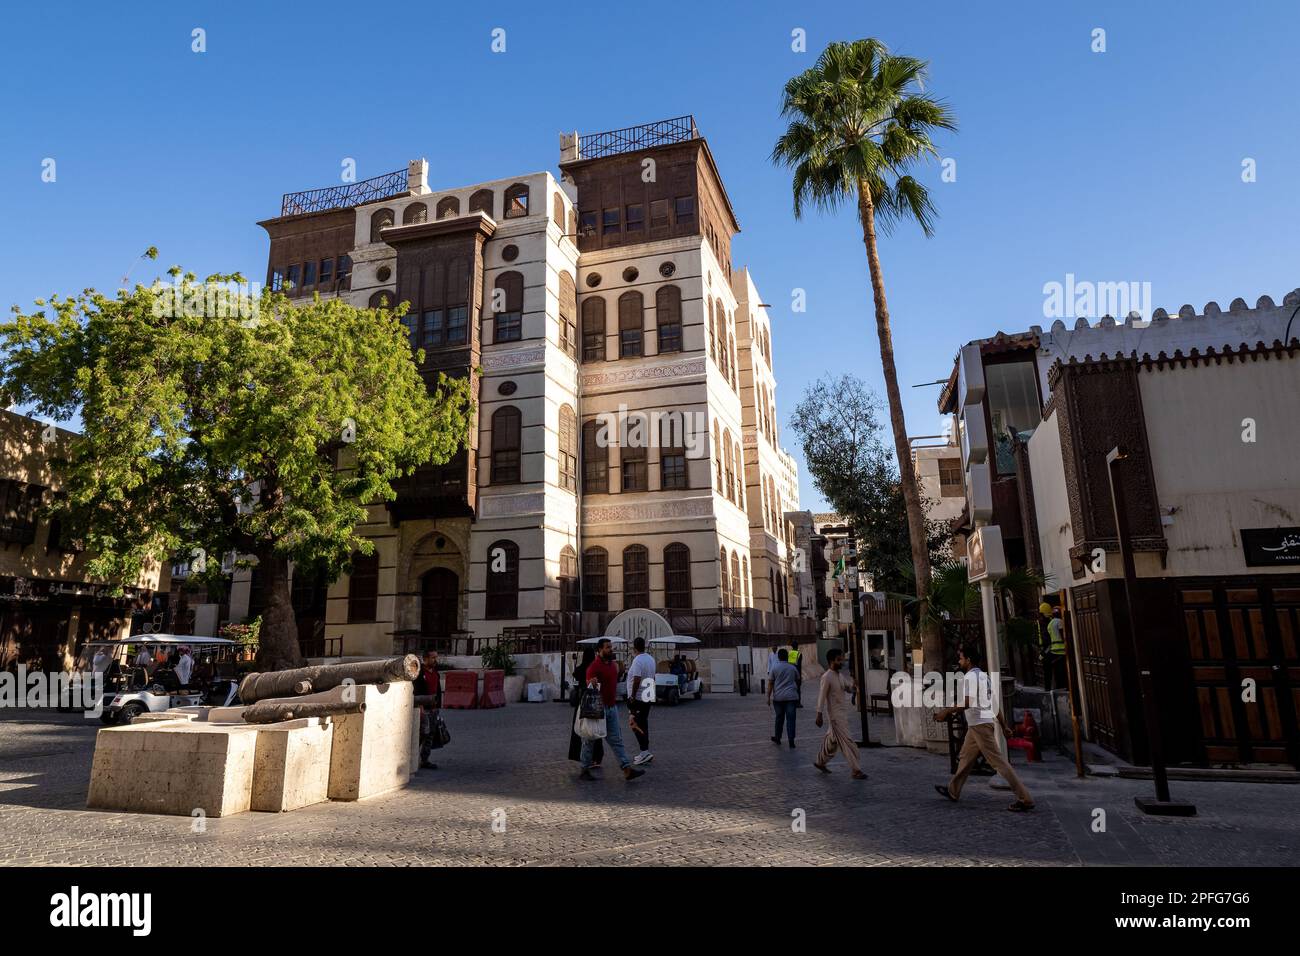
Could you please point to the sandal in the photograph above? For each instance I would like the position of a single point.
(943, 791)
(1020, 807)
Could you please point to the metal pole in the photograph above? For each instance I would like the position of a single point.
(1162, 805)
(859, 643)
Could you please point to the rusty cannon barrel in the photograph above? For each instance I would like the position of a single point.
(275, 711)
(323, 677)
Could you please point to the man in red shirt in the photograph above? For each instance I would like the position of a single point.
(603, 673)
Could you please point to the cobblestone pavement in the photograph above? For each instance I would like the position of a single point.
(718, 793)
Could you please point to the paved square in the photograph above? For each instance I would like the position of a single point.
(718, 793)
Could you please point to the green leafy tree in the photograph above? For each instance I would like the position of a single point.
(260, 433)
(858, 121)
(839, 431)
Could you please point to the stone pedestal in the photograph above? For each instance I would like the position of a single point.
(377, 750)
(177, 767)
(292, 765)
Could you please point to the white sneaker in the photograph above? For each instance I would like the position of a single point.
(644, 756)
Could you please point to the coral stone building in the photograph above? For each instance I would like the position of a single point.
(625, 452)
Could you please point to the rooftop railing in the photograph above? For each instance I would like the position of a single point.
(679, 129)
(344, 196)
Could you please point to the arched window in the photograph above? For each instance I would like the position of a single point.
(595, 580)
(744, 581)
(677, 577)
(771, 589)
(380, 299)
(508, 307)
(557, 211)
(736, 600)
(517, 201)
(593, 329)
(672, 451)
(573, 225)
(723, 579)
(379, 219)
(568, 315)
(568, 579)
(502, 581)
(415, 212)
(505, 446)
(740, 478)
(708, 314)
(720, 324)
(631, 322)
(632, 454)
(735, 365)
(363, 587)
(636, 576)
(668, 318)
(447, 207)
(481, 201)
(717, 454)
(595, 459)
(568, 449)
(729, 467)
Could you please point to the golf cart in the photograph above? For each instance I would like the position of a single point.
(140, 674)
(670, 687)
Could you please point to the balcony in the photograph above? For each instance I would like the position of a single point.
(679, 129)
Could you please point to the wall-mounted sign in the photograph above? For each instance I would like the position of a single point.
(979, 492)
(1269, 547)
(974, 434)
(985, 557)
(970, 376)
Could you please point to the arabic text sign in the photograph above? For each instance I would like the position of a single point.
(1269, 547)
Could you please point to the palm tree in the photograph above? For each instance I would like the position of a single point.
(858, 120)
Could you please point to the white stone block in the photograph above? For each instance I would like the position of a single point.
(292, 765)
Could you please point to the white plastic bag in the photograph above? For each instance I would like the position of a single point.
(589, 729)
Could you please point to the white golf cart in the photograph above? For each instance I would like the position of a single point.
(669, 687)
(140, 674)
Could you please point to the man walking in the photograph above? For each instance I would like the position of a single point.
(1054, 654)
(783, 695)
(427, 684)
(640, 697)
(981, 734)
(796, 659)
(603, 674)
(832, 703)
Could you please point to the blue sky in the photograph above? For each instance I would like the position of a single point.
(1117, 166)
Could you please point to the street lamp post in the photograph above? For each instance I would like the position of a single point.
(1162, 805)
(859, 640)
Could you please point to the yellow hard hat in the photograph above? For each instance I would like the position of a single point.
(1045, 609)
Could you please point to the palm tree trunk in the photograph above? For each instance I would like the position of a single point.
(931, 646)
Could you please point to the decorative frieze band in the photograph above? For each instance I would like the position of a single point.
(645, 373)
(650, 511)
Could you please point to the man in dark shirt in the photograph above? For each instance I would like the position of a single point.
(603, 673)
(428, 684)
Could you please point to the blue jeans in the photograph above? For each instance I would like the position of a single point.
(785, 711)
(613, 738)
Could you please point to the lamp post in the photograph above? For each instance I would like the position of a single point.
(859, 640)
(1162, 805)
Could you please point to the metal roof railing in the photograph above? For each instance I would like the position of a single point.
(679, 129)
(345, 196)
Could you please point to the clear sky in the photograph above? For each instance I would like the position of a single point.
(1124, 165)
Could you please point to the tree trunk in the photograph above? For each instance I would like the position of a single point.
(931, 645)
(278, 636)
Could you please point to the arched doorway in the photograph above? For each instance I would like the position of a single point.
(439, 602)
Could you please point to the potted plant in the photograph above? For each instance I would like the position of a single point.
(497, 657)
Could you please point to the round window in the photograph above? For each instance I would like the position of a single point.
(383, 273)
(593, 279)
(666, 269)
(630, 274)
(507, 388)
(510, 253)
